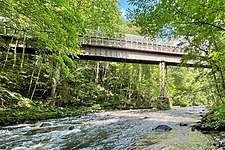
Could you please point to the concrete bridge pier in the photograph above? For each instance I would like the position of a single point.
(163, 73)
(163, 101)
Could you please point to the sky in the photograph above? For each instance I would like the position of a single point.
(123, 7)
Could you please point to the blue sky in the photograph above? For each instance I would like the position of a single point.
(124, 6)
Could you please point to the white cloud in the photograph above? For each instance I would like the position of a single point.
(123, 12)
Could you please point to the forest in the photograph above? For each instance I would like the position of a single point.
(53, 82)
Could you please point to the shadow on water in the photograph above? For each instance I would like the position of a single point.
(130, 129)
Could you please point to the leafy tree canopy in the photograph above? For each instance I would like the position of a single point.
(199, 25)
(198, 22)
(99, 14)
(59, 22)
(54, 22)
(128, 28)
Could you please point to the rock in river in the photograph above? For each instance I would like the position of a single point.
(45, 124)
(71, 127)
(162, 128)
(183, 124)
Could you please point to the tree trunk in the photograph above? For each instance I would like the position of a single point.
(217, 86)
(14, 55)
(55, 79)
(32, 75)
(130, 86)
(24, 43)
(39, 71)
(97, 72)
(7, 54)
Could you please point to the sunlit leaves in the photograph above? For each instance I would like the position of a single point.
(99, 14)
(54, 26)
(52, 21)
(200, 25)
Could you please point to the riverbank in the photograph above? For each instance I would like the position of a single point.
(213, 123)
(13, 116)
(213, 120)
(210, 121)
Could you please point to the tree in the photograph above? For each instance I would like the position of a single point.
(99, 14)
(199, 25)
(54, 26)
(127, 27)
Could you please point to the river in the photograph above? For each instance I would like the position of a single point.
(118, 130)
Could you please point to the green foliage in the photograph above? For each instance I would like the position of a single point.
(96, 107)
(53, 22)
(52, 27)
(199, 25)
(163, 103)
(119, 86)
(186, 18)
(34, 114)
(128, 28)
(99, 15)
(53, 79)
(215, 119)
(189, 86)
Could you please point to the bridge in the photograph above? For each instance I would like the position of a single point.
(130, 48)
(96, 45)
(121, 48)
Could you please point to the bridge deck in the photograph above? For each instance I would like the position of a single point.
(120, 48)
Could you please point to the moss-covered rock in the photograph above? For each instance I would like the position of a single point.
(34, 114)
(163, 103)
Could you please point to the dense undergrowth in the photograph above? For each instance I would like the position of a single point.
(30, 93)
(12, 116)
(214, 119)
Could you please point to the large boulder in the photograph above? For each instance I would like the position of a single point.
(162, 128)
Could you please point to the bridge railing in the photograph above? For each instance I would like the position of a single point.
(19, 33)
(118, 40)
(129, 41)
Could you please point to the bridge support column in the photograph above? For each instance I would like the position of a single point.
(163, 100)
(163, 72)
